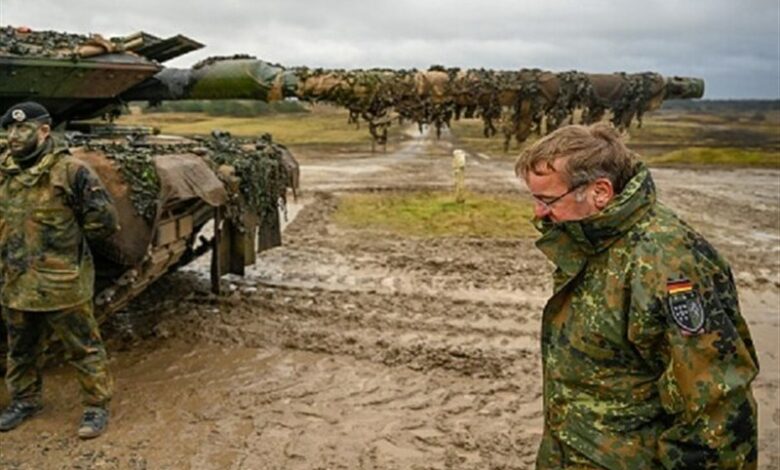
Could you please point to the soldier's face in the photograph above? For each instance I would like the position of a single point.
(24, 137)
(554, 199)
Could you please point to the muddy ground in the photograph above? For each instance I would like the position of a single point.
(352, 349)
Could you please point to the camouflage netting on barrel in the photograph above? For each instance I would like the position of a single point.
(519, 102)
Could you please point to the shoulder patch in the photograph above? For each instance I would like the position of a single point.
(685, 306)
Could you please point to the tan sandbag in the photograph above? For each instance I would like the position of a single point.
(96, 45)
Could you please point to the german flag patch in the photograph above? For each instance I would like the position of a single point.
(685, 306)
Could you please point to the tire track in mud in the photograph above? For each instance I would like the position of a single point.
(399, 330)
(477, 339)
(328, 294)
(425, 373)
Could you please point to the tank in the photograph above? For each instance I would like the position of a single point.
(169, 189)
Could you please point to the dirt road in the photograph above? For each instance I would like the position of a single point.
(349, 349)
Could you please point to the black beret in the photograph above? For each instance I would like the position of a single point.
(24, 112)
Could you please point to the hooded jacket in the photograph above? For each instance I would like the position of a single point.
(647, 360)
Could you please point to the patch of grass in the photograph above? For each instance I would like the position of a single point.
(436, 214)
(720, 156)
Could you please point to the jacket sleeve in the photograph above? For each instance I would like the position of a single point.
(704, 376)
(91, 202)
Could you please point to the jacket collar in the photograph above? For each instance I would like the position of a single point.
(568, 243)
(30, 176)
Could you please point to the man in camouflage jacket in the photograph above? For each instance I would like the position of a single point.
(647, 361)
(50, 204)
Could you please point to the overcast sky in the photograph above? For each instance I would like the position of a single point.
(733, 45)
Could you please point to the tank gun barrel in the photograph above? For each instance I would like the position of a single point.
(243, 77)
(522, 100)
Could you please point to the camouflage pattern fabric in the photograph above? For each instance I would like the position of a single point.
(520, 102)
(46, 214)
(77, 329)
(647, 360)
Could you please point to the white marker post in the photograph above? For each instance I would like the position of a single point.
(459, 175)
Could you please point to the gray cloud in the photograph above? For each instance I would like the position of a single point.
(734, 46)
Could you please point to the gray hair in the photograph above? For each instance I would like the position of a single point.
(590, 153)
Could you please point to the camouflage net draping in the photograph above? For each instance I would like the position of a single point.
(16, 41)
(257, 163)
(517, 102)
(135, 163)
(53, 44)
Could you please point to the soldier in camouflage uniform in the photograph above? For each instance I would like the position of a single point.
(647, 361)
(50, 203)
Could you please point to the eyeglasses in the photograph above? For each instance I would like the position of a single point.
(547, 204)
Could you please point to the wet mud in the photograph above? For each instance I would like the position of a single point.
(349, 349)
